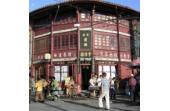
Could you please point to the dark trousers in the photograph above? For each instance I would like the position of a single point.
(132, 94)
(112, 93)
(29, 95)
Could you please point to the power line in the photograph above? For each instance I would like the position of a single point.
(57, 12)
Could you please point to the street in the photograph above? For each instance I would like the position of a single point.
(86, 104)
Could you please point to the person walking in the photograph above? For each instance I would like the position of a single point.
(132, 86)
(105, 87)
(53, 86)
(112, 89)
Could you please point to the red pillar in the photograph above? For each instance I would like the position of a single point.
(92, 40)
(52, 49)
(118, 43)
(78, 50)
(39, 72)
(47, 71)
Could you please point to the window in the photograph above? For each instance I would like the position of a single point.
(42, 45)
(61, 72)
(105, 42)
(110, 70)
(124, 44)
(64, 41)
(57, 43)
(71, 41)
(75, 40)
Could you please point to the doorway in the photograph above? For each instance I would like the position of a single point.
(86, 74)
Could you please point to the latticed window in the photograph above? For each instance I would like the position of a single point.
(124, 44)
(75, 39)
(63, 41)
(42, 45)
(71, 41)
(105, 42)
(57, 43)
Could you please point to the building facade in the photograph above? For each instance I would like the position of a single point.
(78, 38)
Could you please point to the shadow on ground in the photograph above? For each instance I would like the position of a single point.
(59, 108)
(127, 102)
(82, 104)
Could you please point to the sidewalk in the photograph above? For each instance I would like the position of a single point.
(93, 101)
(120, 104)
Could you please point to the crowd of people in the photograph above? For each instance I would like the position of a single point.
(95, 85)
(98, 86)
(49, 89)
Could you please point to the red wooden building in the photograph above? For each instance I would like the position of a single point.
(77, 38)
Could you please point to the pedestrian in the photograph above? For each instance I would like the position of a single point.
(39, 96)
(71, 87)
(30, 87)
(99, 84)
(132, 86)
(99, 81)
(116, 83)
(53, 87)
(105, 87)
(112, 89)
(66, 85)
(92, 85)
(45, 86)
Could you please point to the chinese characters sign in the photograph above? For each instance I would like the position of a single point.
(85, 39)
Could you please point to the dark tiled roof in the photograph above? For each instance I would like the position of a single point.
(97, 2)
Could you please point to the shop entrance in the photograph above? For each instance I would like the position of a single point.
(86, 74)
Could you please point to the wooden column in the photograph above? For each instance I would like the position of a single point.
(118, 44)
(52, 50)
(92, 40)
(78, 49)
(47, 71)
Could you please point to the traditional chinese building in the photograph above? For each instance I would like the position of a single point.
(80, 37)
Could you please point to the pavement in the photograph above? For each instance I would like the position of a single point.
(122, 103)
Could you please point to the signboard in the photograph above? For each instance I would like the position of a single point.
(85, 39)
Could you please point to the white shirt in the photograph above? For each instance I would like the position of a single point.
(99, 81)
(91, 82)
(105, 85)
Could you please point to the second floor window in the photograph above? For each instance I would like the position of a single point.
(66, 41)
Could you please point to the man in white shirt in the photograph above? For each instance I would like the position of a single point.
(105, 87)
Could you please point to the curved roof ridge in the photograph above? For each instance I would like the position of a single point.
(76, 1)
